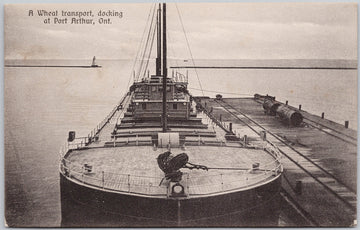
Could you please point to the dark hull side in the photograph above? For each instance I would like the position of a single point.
(82, 206)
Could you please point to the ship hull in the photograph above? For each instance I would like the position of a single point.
(87, 206)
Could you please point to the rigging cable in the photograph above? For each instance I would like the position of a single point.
(172, 51)
(211, 91)
(187, 42)
(151, 47)
(139, 48)
(146, 44)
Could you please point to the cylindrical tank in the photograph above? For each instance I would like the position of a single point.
(291, 116)
(270, 106)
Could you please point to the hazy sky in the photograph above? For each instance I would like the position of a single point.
(214, 30)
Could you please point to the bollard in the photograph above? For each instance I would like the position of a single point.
(255, 166)
(322, 115)
(287, 102)
(245, 140)
(103, 179)
(346, 124)
(222, 182)
(263, 135)
(220, 117)
(128, 180)
(230, 127)
(299, 107)
(298, 187)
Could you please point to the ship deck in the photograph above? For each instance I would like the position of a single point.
(134, 169)
(319, 159)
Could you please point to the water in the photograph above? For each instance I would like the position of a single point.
(43, 104)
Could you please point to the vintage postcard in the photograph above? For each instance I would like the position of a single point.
(181, 115)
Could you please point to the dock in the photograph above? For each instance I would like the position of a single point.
(319, 158)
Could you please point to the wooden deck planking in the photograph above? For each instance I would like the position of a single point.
(333, 154)
(140, 162)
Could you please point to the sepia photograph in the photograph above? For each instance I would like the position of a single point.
(181, 114)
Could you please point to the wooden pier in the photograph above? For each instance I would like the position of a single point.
(319, 157)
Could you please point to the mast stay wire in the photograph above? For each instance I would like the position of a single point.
(212, 91)
(139, 48)
(150, 50)
(146, 44)
(171, 48)
(188, 45)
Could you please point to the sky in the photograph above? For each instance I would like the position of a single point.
(214, 31)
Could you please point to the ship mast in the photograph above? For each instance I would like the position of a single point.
(158, 58)
(164, 114)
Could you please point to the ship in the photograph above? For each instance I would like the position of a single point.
(161, 159)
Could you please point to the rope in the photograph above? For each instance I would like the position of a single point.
(242, 169)
(187, 42)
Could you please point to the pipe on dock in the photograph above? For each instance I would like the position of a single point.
(289, 115)
(270, 106)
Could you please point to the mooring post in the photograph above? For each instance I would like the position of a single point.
(287, 102)
(299, 107)
(222, 182)
(187, 182)
(103, 179)
(230, 127)
(346, 124)
(129, 181)
(263, 135)
(322, 115)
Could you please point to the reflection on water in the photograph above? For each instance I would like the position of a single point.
(43, 104)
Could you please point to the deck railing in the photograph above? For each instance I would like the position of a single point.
(81, 142)
(142, 184)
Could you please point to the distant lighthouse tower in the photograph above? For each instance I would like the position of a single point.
(94, 62)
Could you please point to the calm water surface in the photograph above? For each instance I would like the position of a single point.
(43, 104)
